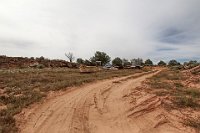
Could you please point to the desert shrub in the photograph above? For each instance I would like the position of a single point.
(160, 85)
(193, 122)
(183, 101)
(40, 66)
(196, 72)
(193, 93)
(178, 67)
(169, 75)
(178, 85)
(173, 76)
(7, 122)
(161, 75)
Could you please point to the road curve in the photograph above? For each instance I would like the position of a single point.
(101, 107)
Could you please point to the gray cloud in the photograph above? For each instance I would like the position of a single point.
(166, 49)
(10, 42)
(129, 28)
(174, 36)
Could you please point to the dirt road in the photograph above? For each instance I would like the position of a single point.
(107, 106)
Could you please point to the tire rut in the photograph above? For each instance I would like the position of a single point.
(102, 107)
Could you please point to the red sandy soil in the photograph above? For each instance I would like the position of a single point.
(109, 106)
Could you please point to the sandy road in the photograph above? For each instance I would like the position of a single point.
(107, 106)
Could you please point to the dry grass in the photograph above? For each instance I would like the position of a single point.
(184, 101)
(21, 87)
(193, 122)
(170, 83)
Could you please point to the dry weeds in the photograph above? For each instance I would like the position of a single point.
(170, 83)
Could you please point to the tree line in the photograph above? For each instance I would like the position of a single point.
(102, 58)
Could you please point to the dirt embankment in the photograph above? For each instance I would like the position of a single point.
(102, 107)
(24, 62)
(193, 77)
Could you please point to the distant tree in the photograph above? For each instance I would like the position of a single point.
(42, 58)
(80, 61)
(125, 62)
(185, 63)
(173, 63)
(70, 56)
(100, 56)
(88, 63)
(117, 62)
(162, 63)
(137, 61)
(148, 62)
(191, 64)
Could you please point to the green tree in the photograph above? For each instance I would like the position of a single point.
(100, 56)
(161, 63)
(148, 62)
(125, 62)
(191, 64)
(138, 61)
(80, 61)
(117, 62)
(88, 63)
(173, 63)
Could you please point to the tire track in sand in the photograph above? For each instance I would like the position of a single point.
(99, 107)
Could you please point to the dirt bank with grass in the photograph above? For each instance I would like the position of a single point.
(180, 94)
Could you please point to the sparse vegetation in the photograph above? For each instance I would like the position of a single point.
(170, 82)
(22, 87)
(169, 75)
(191, 64)
(193, 122)
(193, 93)
(184, 101)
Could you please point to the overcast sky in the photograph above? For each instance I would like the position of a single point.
(156, 29)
